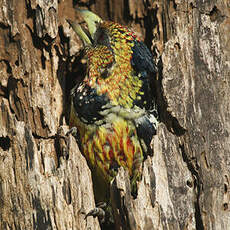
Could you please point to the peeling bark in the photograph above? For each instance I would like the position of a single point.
(45, 182)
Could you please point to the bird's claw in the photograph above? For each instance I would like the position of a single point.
(98, 212)
(72, 131)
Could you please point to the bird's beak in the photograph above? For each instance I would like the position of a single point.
(80, 32)
(92, 20)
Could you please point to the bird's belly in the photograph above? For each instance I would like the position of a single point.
(109, 146)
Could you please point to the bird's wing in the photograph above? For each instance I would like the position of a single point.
(145, 68)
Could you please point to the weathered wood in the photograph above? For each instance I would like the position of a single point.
(45, 182)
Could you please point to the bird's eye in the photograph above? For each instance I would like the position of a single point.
(104, 73)
(101, 38)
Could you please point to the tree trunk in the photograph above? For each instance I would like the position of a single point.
(45, 182)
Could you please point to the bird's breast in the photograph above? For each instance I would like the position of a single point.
(110, 145)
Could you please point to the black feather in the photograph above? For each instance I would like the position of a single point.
(142, 59)
(88, 104)
(146, 128)
(145, 68)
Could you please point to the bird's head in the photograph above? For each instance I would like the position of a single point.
(108, 47)
(105, 33)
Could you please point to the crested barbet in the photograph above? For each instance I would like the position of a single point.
(114, 107)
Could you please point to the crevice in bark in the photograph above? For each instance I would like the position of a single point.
(126, 11)
(42, 118)
(42, 161)
(83, 3)
(3, 92)
(174, 4)
(108, 6)
(9, 68)
(5, 143)
(42, 219)
(36, 136)
(29, 150)
(12, 86)
(197, 185)
(152, 185)
(58, 150)
(66, 190)
(150, 22)
(164, 26)
(3, 26)
(29, 10)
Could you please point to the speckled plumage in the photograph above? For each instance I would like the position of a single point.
(111, 107)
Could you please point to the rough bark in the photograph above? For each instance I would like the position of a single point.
(45, 182)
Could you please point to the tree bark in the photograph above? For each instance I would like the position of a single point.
(45, 182)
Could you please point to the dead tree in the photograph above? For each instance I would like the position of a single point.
(45, 182)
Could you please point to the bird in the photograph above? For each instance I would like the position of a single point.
(114, 107)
